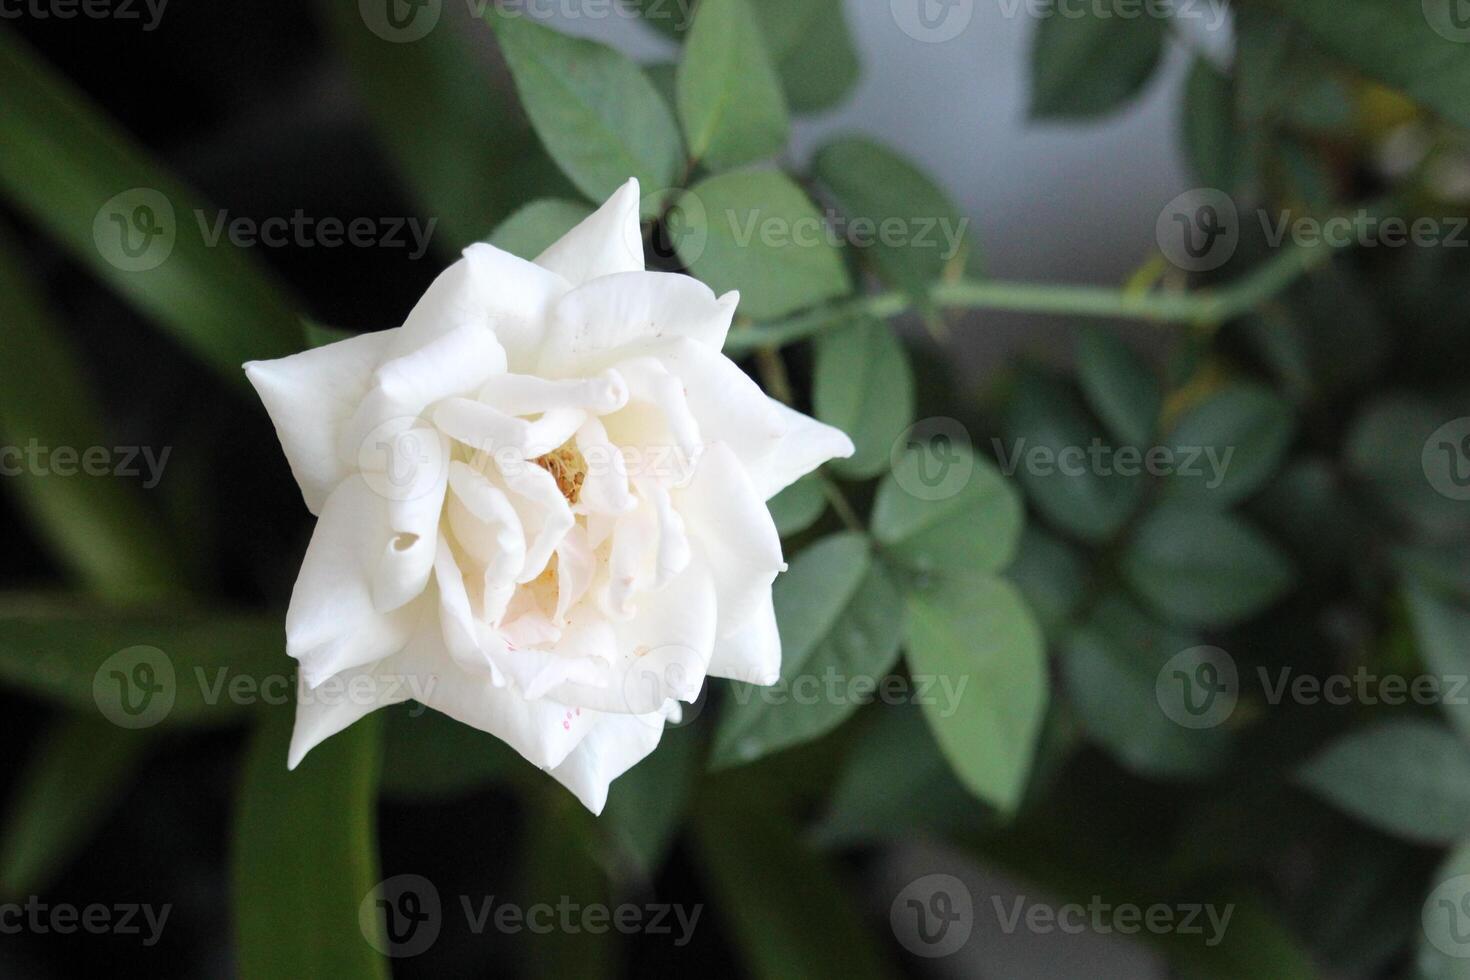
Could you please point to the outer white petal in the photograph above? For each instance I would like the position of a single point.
(727, 405)
(310, 396)
(342, 700)
(752, 652)
(593, 322)
(614, 746)
(488, 287)
(332, 624)
(805, 445)
(544, 732)
(729, 519)
(607, 242)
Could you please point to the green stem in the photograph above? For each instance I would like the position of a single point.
(1203, 308)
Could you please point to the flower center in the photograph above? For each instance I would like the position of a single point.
(568, 467)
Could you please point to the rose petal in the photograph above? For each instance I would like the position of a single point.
(487, 288)
(605, 319)
(310, 397)
(332, 624)
(614, 746)
(729, 518)
(607, 242)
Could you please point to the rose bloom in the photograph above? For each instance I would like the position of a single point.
(541, 504)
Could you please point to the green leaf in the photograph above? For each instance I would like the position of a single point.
(537, 226)
(1050, 436)
(1051, 575)
(1394, 44)
(320, 335)
(894, 780)
(305, 856)
(1440, 630)
(65, 791)
(95, 521)
(1386, 449)
(1090, 65)
(89, 657)
(1119, 387)
(646, 805)
(1207, 125)
(458, 138)
(788, 910)
(974, 530)
(430, 756)
(1200, 567)
(852, 364)
(813, 50)
(808, 40)
(1409, 778)
(598, 116)
(975, 637)
(884, 191)
(798, 506)
(559, 860)
(1241, 435)
(757, 232)
(1111, 665)
(80, 179)
(840, 619)
(729, 97)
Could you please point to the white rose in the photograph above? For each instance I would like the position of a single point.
(541, 504)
